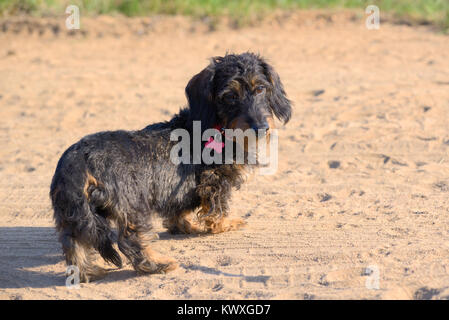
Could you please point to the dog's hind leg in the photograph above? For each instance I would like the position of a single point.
(134, 244)
(81, 256)
(81, 231)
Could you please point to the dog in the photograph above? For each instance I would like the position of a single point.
(107, 185)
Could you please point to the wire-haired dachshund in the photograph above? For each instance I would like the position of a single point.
(108, 184)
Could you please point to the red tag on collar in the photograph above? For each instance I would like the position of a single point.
(219, 128)
(212, 144)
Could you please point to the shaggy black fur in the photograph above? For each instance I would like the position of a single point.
(123, 177)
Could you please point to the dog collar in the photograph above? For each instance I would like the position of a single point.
(212, 144)
(220, 128)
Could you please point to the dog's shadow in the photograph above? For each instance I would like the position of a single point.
(208, 270)
(121, 275)
(125, 274)
(214, 271)
(23, 249)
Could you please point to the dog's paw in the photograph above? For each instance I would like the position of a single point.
(236, 224)
(233, 224)
(169, 266)
(156, 263)
(153, 267)
(185, 226)
(224, 225)
(94, 273)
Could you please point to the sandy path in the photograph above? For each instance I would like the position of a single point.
(312, 229)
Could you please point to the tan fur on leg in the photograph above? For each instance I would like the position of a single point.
(154, 262)
(183, 224)
(223, 225)
(81, 256)
(168, 263)
(217, 223)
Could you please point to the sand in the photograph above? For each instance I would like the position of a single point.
(362, 187)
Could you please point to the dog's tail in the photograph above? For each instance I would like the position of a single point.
(80, 217)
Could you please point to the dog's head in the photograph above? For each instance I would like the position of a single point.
(238, 92)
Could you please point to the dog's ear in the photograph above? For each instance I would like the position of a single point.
(279, 103)
(199, 96)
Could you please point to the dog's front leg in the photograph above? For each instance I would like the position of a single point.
(215, 191)
(219, 225)
(186, 224)
(183, 223)
(214, 222)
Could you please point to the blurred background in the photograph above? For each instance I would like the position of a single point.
(244, 12)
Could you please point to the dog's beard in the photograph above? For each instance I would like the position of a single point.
(255, 153)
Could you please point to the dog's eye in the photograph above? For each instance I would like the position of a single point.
(230, 97)
(259, 89)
